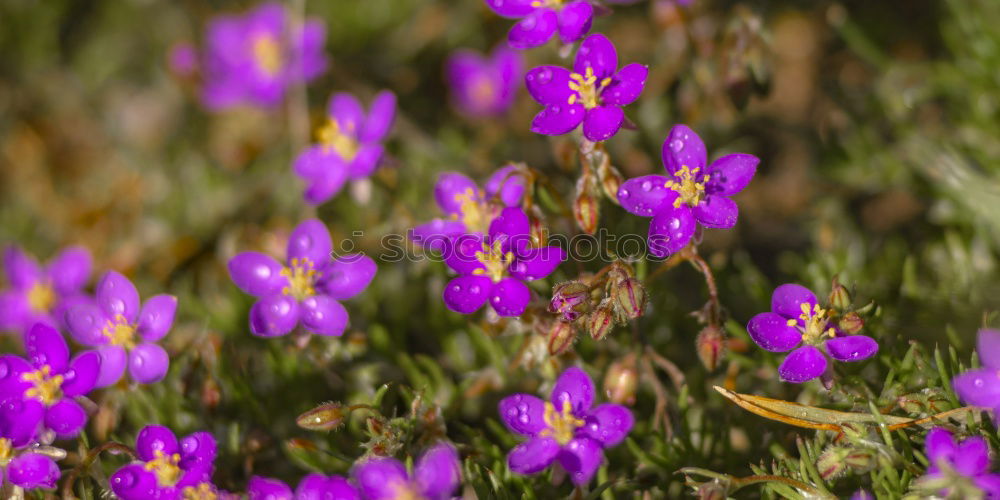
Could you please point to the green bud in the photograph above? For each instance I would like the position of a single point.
(561, 337)
(840, 298)
(831, 464)
(630, 298)
(325, 417)
(601, 321)
(711, 347)
(851, 323)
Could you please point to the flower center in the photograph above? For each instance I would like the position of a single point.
(333, 139)
(815, 320)
(201, 492)
(472, 212)
(165, 468)
(401, 490)
(119, 332)
(687, 187)
(495, 261)
(562, 426)
(45, 387)
(267, 54)
(300, 279)
(483, 91)
(586, 88)
(552, 4)
(41, 297)
(6, 452)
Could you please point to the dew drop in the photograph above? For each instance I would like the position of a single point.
(623, 194)
(676, 145)
(474, 289)
(647, 185)
(4, 370)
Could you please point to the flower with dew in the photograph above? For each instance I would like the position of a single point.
(252, 59)
(22, 462)
(981, 387)
(436, 475)
(42, 294)
(540, 19)
(566, 428)
(963, 467)
(798, 324)
(306, 289)
(167, 467)
(313, 486)
(469, 208)
(493, 267)
(39, 392)
(124, 333)
(690, 194)
(593, 93)
(348, 145)
(484, 86)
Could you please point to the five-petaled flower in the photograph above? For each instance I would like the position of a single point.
(436, 475)
(542, 18)
(166, 467)
(252, 59)
(348, 145)
(306, 289)
(592, 94)
(493, 267)
(981, 387)
(963, 466)
(38, 294)
(469, 208)
(796, 318)
(481, 86)
(124, 333)
(313, 486)
(691, 194)
(565, 428)
(20, 463)
(39, 392)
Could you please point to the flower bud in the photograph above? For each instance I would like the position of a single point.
(571, 300)
(831, 464)
(539, 233)
(714, 490)
(840, 298)
(601, 321)
(621, 381)
(561, 337)
(325, 417)
(611, 179)
(860, 461)
(586, 211)
(711, 347)
(851, 323)
(630, 298)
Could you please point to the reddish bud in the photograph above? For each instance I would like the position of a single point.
(840, 298)
(325, 417)
(611, 179)
(621, 381)
(601, 321)
(539, 233)
(561, 337)
(711, 347)
(630, 298)
(571, 300)
(586, 211)
(851, 323)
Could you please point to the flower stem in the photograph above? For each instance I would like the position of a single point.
(67, 491)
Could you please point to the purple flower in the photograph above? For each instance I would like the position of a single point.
(306, 289)
(349, 145)
(26, 469)
(691, 192)
(480, 86)
(541, 18)
(982, 387)
(469, 208)
(167, 468)
(593, 93)
(565, 428)
(796, 318)
(183, 59)
(969, 459)
(42, 294)
(436, 476)
(312, 487)
(39, 391)
(124, 333)
(252, 59)
(493, 267)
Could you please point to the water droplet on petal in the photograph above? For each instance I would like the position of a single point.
(647, 185)
(676, 145)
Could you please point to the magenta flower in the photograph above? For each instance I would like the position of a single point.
(484, 87)
(252, 59)
(124, 333)
(565, 429)
(39, 392)
(167, 468)
(306, 289)
(469, 208)
(349, 145)
(796, 318)
(541, 18)
(20, 465)
(183, 59)
(42, 294)
(691, 194)
(312, 487)
(592, 94)
(493, 267)
(969, 459)
(436, 475)
(982, 387)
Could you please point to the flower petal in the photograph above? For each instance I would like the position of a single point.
(438, 473)
(988, 347)
(536, 263)
(523, 414)
(851, 348)
(787, 300)
(670, 230)
(380, 116)
(602, 122)
(575, 386)
(558, 119)
(608, 424)
(256, 274)
(771, 332)
(466, 294)
(198, 449)
(44, 345)
(972, 457)
(978, 387)
(626, 86)
(379, 478)
(533, 455)
(81, 377)
(325, 185)
(365, 161)
(323, 315)
(117, 295)
(549, 85)
(509, 185)
(646, 195)
(535, 29)
(802, 364)
(274, 315)
(717, 211)
(510, 297)
(347, 276)
(511, 8)
(348, 112)
(731, 173)
(574, 20)
(316, 161)
(114, 359)
(581, 457)
(598, 53)
(134, 482)
(452, 190)
(939, 444)
(156, 317)
(310, 240)
(11, 368)
(683, 147)
(20, 418)
(85, 323)
(148, 363)
(22, 270)
(14, 310)
(266, 488)
(66, 417)
(319, 487)
(70, 270)
(512, 227)
(460, 252)
(33, 470)
(153, 438)
(436, 234)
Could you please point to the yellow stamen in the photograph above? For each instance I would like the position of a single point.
(119, 332)
(586, 89)
(332, 138)
(495, 261)
(474, 214)
(815, 319)
(689, 190)
(165, 468)
(267, 54)
(201, 492)
(45, 388)
(552, 4)
(562, 426)
(300, 279)
(6, 452)
(41, 297)
(483, 91)
(401, 490)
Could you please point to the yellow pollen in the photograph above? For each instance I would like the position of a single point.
(473, 213)
(552, 4)
(165, 468)
(267, 54)
(300, 279)
(495, 261)
(6, 452)
(41, 297)
(814, 319)
(562, 426)
(119, 332)
(332, 138)
(45, 388)
(586, 88)
(201, 492)
(403, 491)
(483, 91)
(689, 190)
